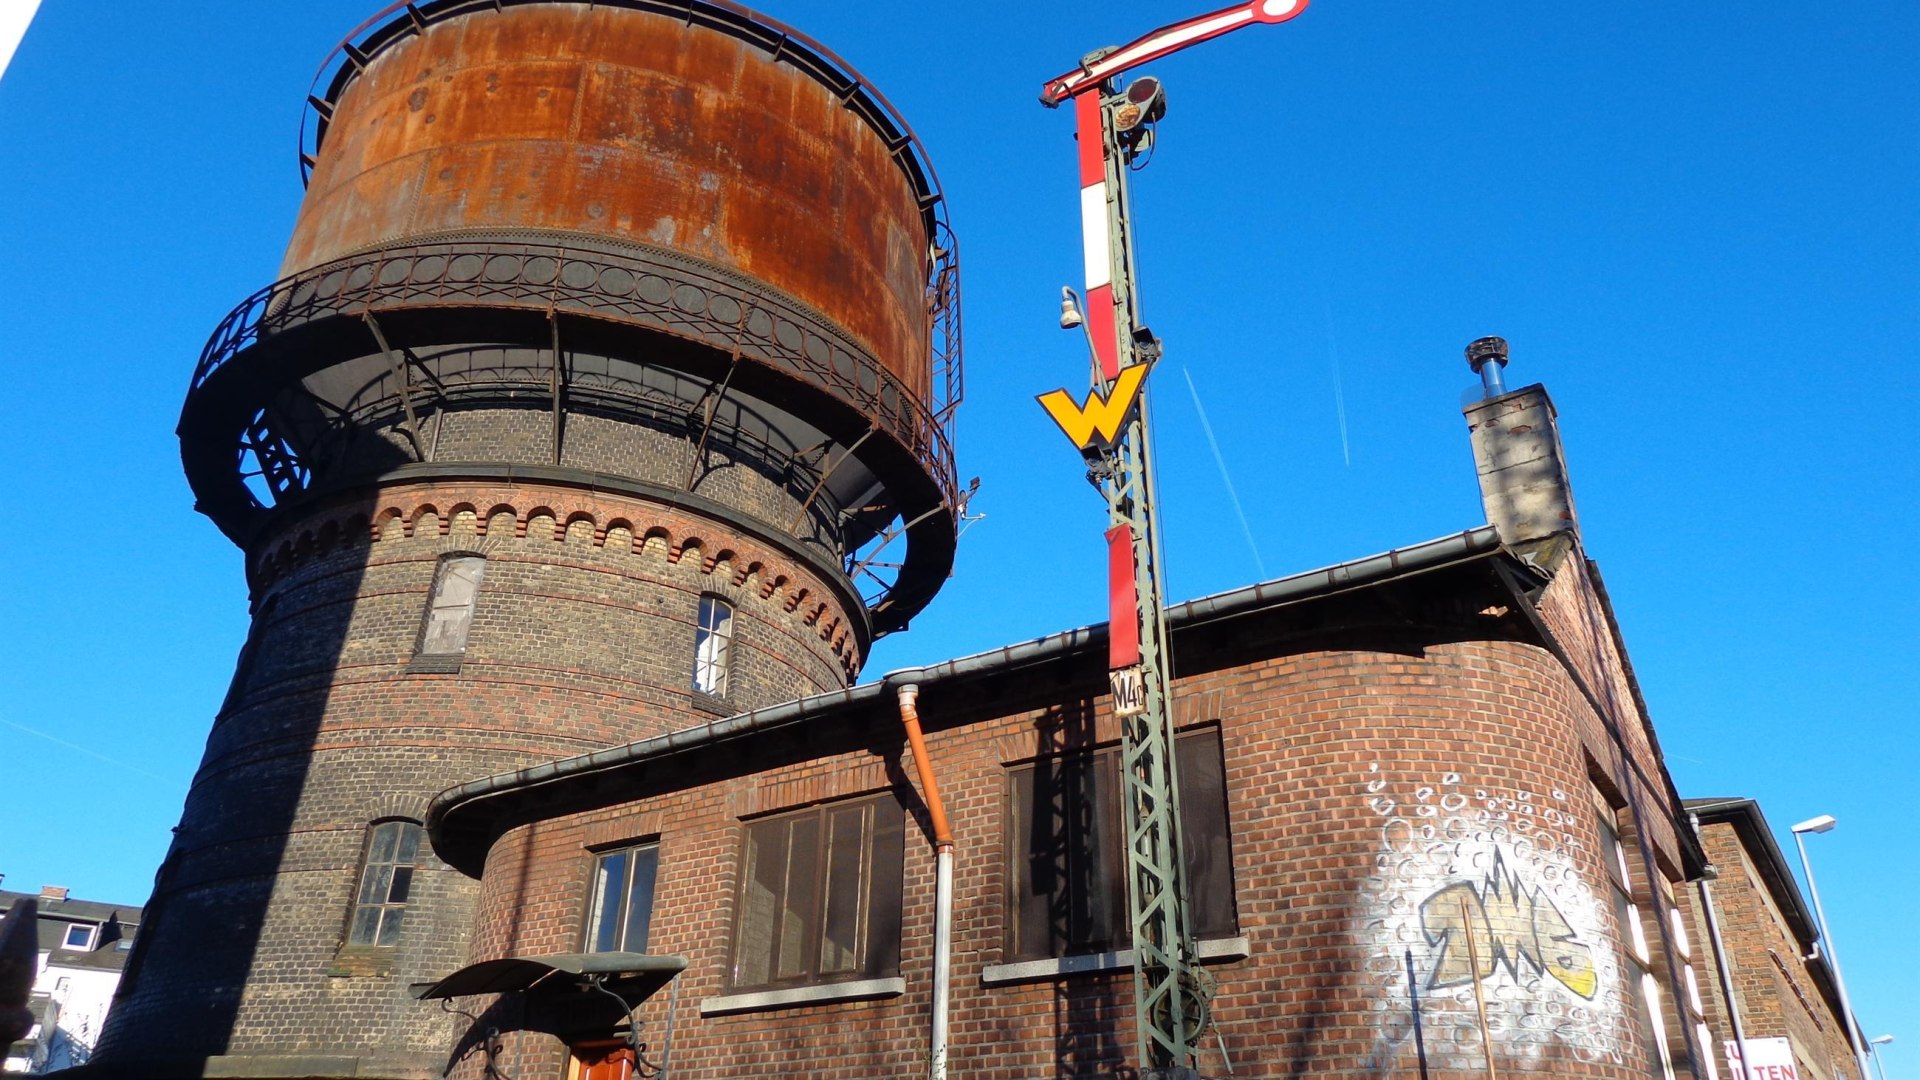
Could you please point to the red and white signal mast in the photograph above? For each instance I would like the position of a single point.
(1114, 122)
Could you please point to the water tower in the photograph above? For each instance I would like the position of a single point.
(607, 387)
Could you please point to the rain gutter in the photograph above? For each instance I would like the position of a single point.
(459, 816)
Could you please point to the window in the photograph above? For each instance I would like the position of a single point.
(622, 899)
(386, 880)
(820, 895)
(78, 936)
(1067, 842)
(456, 585)
(712, 642)
(1638, 971)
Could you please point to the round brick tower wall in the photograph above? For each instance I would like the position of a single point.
(582, 637)
(564, 316)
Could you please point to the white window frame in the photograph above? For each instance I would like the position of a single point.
(390, 912)
(713, 645)
(625, 897)
(67, 942)
(449, 617)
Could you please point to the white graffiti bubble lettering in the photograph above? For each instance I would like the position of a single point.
(1500, 864)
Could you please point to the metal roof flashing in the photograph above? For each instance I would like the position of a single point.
(1757, 838)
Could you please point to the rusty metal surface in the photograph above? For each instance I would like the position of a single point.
(447, 291)
(628, 124)
(668, 296)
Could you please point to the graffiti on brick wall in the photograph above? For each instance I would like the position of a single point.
(1481, 886)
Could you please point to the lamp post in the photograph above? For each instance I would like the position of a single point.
(1825, 823)
(1878, 1061)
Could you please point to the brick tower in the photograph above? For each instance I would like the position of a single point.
(607, 387)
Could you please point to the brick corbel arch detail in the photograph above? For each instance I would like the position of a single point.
(748, 570)
(396, 804)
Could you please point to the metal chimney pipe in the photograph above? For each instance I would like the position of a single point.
(1487, 357)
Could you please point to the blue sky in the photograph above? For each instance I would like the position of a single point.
(1699, 225)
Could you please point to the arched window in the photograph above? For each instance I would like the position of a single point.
(386, 881)
(712, 646)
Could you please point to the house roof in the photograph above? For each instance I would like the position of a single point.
(115, 925)
(1750, 825)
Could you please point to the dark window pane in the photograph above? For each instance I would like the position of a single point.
(408, 847)
(1067, 881)
(646, 865)
(402, 883)
(373, 887)
(846, 856)
(385, 837)
(803, 885)
(1102, 920)
(763, 893)
(883, 888)
(386, 883)
(390, 926)
(1208, 855)
(366, 921)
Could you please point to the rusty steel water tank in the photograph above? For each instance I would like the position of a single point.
(632, 126)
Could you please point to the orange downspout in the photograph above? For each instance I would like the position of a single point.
(910, 716)
(943, 881)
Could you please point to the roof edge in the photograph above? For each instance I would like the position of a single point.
(446, 815)
(1750, 824)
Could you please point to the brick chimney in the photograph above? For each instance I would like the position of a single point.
(1516, 451)
(53, 892)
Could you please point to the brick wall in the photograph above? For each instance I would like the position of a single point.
(582, 637)
(1777, 995)
(757, 483)
(1362, 782)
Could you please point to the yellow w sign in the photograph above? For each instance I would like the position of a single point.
(1097, 423)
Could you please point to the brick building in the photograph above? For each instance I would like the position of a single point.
(1784, 989)
(83, 947)
(570, 447)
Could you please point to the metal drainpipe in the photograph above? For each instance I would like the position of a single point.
(1720, 958)
(943, 882)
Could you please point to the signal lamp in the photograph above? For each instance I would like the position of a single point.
(1143, 102)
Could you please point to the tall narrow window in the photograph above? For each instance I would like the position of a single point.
(456, 585)
(622, 899)
(386, 880)
(1066, 845)
(712, 646)
(1639, 968)
(820, 895)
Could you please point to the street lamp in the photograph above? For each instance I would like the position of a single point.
(1879, 1061)
(1825, 823)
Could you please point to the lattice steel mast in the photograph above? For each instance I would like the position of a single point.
(1171, 991)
